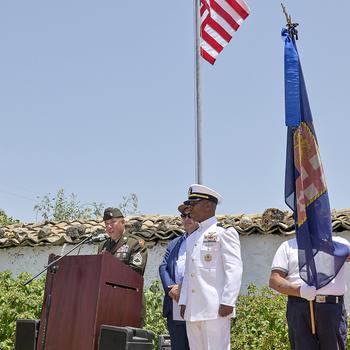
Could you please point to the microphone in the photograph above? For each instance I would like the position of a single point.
(98, 238)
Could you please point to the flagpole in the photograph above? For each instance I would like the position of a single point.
(294, 35)
(198, 99)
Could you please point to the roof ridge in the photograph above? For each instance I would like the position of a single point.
(154, 227)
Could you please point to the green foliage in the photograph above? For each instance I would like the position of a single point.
(17, 301)
(129, 204)
(67, 207)
(261, 321)
(6, 220)
(154, 305)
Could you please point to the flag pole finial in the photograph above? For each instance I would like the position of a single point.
(290, 25)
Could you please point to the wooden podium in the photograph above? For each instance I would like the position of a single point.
(83, 292)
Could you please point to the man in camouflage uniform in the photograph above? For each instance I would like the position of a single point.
(127, 248)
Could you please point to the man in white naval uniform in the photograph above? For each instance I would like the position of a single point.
(213, 274)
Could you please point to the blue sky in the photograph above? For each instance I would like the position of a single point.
(98, 98)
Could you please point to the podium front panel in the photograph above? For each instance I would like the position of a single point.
(70, 320)
(84, 292)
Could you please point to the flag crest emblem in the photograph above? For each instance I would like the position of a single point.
(310, 183)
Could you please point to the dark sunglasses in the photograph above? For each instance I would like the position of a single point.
(186, 216)
(192, 204)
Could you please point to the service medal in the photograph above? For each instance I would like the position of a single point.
(208, 257)
(123, 249)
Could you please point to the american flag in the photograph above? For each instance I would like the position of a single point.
(219, 20)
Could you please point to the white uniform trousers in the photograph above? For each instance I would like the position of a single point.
(209, 335)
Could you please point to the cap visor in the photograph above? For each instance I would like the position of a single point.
(181, 208)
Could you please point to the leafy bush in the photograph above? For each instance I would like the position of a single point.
(17, 301)
(61, 206)
(6, 220)
(66, 207)
(260, 323)
(155, 321)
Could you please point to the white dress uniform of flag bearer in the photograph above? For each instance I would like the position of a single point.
(213, 274)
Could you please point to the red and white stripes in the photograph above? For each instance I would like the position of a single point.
(219, 20)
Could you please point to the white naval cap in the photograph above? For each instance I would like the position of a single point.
(197, 192)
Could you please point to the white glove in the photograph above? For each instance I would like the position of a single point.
(308, 292)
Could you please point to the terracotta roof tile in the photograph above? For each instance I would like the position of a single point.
(153, 228)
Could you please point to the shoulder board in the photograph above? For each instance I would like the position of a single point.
(225, 226)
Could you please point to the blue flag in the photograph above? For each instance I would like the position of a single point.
(320, 259)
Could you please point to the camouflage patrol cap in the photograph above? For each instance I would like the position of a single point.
(112, 213)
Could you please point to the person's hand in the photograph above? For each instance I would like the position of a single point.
(174, 292)
(348, 258)
(182, 310)
(308, 292)
(225, 310)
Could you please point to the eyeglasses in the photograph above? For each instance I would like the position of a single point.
(184, 216)
(192, 204)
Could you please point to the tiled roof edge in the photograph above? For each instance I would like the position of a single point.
(154, 228)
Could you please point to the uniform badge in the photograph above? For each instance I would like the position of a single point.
(210, 237)
(189, 191)
(208, 257)
(123, 249)
(137, 260)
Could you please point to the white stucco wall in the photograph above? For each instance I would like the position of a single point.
(257, 255)
(33, 259)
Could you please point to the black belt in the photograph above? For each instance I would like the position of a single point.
(321, 299)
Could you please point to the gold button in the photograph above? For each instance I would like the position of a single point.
(193, 290)
(192, 274)
(192, 259)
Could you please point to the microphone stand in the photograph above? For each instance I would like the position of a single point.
(52, 268)
(58, 259)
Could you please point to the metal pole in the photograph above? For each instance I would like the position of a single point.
(198, 116)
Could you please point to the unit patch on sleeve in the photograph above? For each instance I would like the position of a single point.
(137, 260)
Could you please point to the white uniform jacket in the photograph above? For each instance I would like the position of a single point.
(213, 271)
